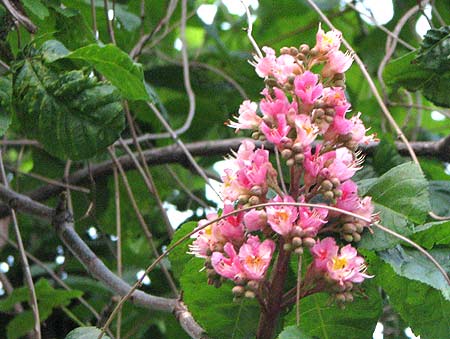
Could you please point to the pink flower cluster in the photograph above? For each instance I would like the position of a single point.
(304, 101)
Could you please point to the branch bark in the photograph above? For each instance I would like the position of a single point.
(174, 154)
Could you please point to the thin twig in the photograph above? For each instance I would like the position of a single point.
(94, 19)
(297, 297)
(441, 110)
(20, 17)
(109, 23)
(25, 265)
(119, 243)
(250, 30)
(280, 171)
(371, 85)
(381, 27)
(141, 220)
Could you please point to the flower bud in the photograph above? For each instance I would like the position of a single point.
(336, 182)
(256, 190)
(298, 250)
(255, 135)
(309, 242)
(253, 285)
(348, 297)
(314, 51)
(297, 147)
(340, 298)
(356, 237)
(337, 193)
(330, 112)
(359, 227)
(348, 285)
(329, 119)
(250, 294)
(290, 162)
(326, 185)
(339, 83)
(293, 51)
(301, 56)
(254, 200)
(296, 242)
(298, 232)
(328, 195)
(285, 50)
(299, 158)
(304, 48)
(238, 291)
(286, 153)
(339, 76)
(243, 198)
(349, 228)
(348, 237)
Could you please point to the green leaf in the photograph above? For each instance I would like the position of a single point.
(414, 265)
(386, 157)
(179, 257)
(293, 332)
(358, 320)
(37, 8)
(405, 72)
(401, 197)
(52, 50)
(440, 197)
(117, 67)
(422, 307)
(437, 89)
(5, 103)
(214, 308)
(48, 299)
(85, 333)
(72, 114)
(435, 50)
(433, 233)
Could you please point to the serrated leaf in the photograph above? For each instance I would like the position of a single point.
(401, 197)
(214, 309)
(440, 197)
(435, 50)
(85, 333)
(319, 318)
(66, 19)
(116, 66)
(405, 72)
(179, 257)
(73, 115)
(293, 332)
(422, 307)
(37, 8)
(436, 90)
(414, 265)
(5, 103)
(52, 50)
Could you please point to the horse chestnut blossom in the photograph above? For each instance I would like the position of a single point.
(304, 114)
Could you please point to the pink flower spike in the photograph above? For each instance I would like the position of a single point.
(338, 62)
(255, 257)
(329, 41)
(306, 131)
(306, 87)
(312, 220)
(229, 267)
(282, 218)
(275, 106)
(231, 228)
(323, 251)
(247, 119)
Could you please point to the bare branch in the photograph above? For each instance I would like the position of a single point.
(20, 17)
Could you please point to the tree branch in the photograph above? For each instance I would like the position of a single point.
(174, 154)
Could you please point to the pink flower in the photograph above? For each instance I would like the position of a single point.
(247, 119)
(343, 167)
(337, 62)
(323, 251)
(275, 106)
(229, 267)
(282, 218)
(231, 228)
(347, 266)
(264, 66)
(255, 257)
(280, 68)
(312, 220)
(277, 133)
(335, 97)
(306, 131)
(307, 87)
(255, 220)
(204, 238)
(329, 41)
(349, 200)
(365, 208)
(358, 131)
